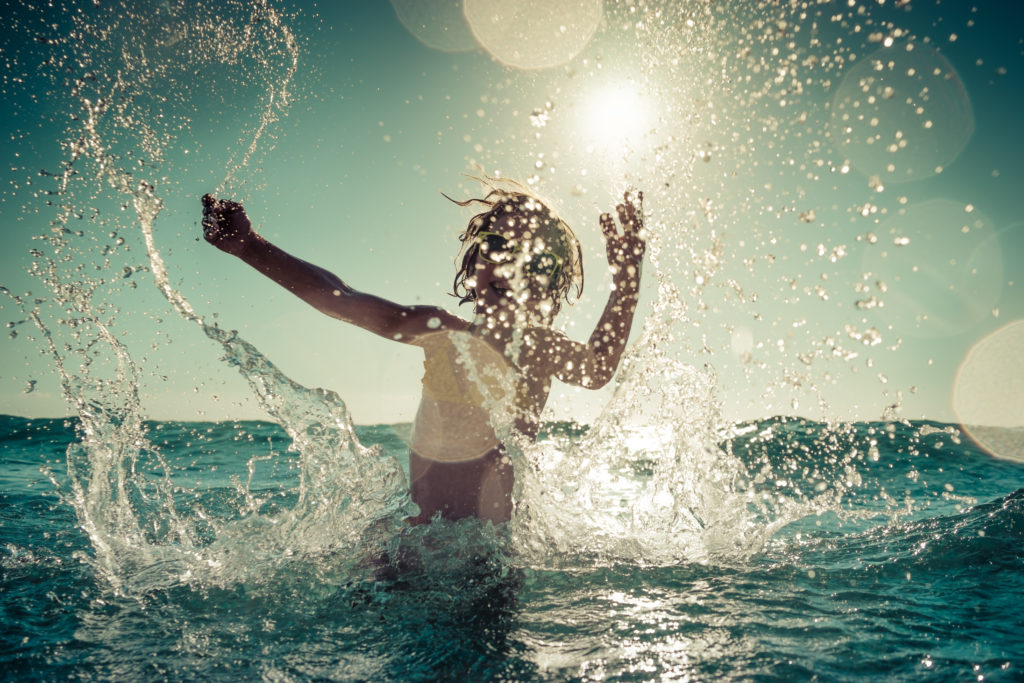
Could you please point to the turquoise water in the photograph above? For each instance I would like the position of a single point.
(916, 574)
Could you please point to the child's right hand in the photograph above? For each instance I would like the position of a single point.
(626, 251)
(225, 225)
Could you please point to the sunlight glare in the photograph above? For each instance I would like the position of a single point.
(615, 117)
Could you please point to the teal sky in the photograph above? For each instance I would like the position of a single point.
(789, 160)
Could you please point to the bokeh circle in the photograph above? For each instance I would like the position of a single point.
(937, 268)
(533, 34)
(901, 114)
(988, 395)
(438, 24)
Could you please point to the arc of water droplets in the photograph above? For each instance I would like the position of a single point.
(273, 103)
(100, 467)
(316, 420)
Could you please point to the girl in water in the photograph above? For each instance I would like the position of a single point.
(486, 380)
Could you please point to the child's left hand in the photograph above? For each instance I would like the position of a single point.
(626, 251)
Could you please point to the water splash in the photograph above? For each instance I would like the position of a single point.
(655, 480)
(731, 171)
(118, 483)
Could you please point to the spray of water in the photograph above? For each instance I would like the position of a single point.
(118, 482)
(655, 479)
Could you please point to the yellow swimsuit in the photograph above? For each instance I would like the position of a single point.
(465, 382)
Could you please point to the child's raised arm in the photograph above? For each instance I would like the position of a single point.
(226, 227)
(594, 363)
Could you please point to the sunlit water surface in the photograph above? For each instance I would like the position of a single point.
(860, 590)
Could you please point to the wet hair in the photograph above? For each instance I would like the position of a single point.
(500, 202)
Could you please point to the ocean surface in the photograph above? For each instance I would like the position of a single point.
(914, 572)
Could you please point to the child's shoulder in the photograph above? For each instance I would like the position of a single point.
(436, 317)
(422, 323)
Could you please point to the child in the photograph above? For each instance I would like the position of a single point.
(519, 262)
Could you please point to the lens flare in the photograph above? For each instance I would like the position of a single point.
(902, 114)
(533, 34)
(438, 24)
(989, 392)
(938, 271)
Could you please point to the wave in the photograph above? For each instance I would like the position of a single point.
(221, 502)
(987, 536)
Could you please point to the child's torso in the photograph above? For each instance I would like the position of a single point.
(466, 387)
(473, 399)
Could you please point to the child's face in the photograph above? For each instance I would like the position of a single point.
(519, 257)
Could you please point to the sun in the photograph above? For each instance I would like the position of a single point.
(617, 116)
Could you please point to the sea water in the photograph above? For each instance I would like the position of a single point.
(928, 589)
(657, 541)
